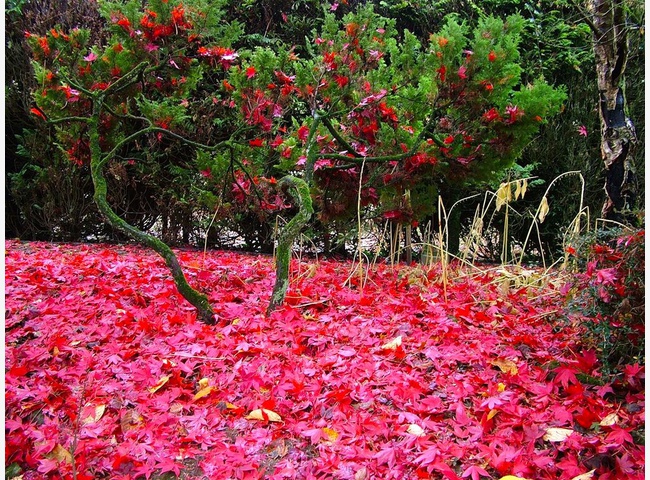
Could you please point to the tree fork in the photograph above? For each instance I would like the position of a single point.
(299, 190)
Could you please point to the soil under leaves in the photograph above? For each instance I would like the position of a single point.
(110, 375)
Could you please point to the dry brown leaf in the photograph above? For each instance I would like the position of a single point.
(61, 454)
(361, 474)
(264, 414)
(609, 420)
(96, 417)
(204, 392)
(331, 434)
(130, 420)
(204, 382)
(543, 210)
(517, 189)
(504, 195)
(416, 430)
(555, 434)
(393, 344)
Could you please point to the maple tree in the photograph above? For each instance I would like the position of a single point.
(108, 375)
(361, 119)
(105, 100)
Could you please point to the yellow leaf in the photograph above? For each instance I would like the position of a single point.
(504, 195)
(506, 366)
(61, 454)
(231, 406)
(203, 393)
(264, 414)
(416, 430)
(331, 434)
(523, 188)
(204, 382)
(393, 344)
(492, 414)
(501, 387)
(161, 383)
(518, 189)
(585, 476)
(512, 477)
(99, 412)
(554, 434)
(609, 420)
(543, 210)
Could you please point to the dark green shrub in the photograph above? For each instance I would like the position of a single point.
(53, 195)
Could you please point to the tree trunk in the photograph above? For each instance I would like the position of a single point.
(299, 190)
(97, 162)
(617, 131)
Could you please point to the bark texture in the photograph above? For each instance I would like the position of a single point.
(618, 136)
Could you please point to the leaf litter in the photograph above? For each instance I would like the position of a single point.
(110, 375)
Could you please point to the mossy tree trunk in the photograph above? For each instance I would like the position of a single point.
(97, 161)
(299, 190)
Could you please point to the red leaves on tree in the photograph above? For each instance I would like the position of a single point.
(38, 112)
(103, 354)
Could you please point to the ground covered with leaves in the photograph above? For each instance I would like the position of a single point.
(109, 374)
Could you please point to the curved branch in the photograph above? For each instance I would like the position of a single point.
(198, 300)
(299, 190)
(127, 79)
(339, 138)
(67, 119)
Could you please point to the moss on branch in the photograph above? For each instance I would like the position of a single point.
(299, 190)
(97, 161)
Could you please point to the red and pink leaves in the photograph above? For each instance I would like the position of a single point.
(105, 361)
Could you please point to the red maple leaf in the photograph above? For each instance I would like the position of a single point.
(619, 435)
(475, 472)
(565, 375)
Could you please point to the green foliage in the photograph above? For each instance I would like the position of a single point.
(363, 106)
(610, 295)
